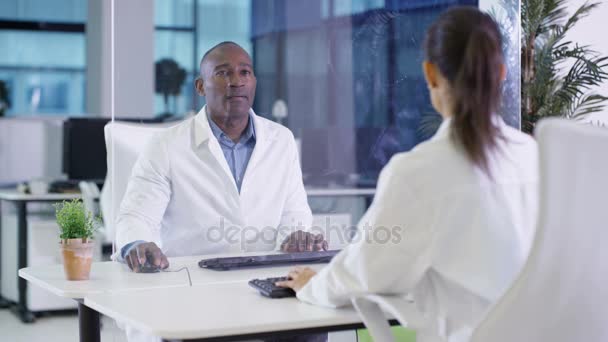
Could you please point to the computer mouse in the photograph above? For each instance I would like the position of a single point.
(148, 267)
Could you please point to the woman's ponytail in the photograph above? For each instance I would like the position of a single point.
(466, 46)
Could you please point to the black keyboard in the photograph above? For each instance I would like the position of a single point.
(268, 289)
(223, 264)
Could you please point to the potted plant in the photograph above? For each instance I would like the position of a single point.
(77, 227)
(168, 81)
(558, 76)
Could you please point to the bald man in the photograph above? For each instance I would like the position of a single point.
(224, 181)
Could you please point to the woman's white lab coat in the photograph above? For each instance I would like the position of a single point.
(441, 230)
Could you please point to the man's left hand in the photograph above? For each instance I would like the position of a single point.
(302, 241)
(299, 277)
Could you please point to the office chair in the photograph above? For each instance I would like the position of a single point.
(90, 195)
(560, 294)
(124, 143)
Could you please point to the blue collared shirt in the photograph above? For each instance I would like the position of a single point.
(237, 154)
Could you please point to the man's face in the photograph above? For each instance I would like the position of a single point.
(228, 82)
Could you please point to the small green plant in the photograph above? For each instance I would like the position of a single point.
(75, 222)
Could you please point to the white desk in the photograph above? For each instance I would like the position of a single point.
(111, 278)
(14, 195)
(230, 311)
(340, 192)
(106, 277)
(21, 200)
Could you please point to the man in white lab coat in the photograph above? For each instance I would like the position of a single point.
(224, 181)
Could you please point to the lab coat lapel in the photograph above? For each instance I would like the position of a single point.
(263, 139)
(216, 151)
(203, 134)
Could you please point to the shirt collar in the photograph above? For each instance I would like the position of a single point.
(205, 128)
(443, 129)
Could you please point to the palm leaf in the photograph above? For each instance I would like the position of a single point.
(558, 75)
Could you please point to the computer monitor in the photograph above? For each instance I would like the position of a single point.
(84, 149)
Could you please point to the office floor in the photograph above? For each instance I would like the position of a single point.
(62, 328)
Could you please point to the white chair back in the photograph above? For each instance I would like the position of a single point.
(124, 143)
(560, 294)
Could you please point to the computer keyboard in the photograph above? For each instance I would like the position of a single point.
(268, 289)
(284, 259)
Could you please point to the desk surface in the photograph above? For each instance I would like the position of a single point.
(105, 277)
(214, 310)
(111, 277)
(219, 303)
(329, 192)
(14, 195)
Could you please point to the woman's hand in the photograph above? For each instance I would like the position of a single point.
(299, 277)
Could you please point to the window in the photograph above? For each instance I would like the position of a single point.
(185, 30)
(44, 64)
(175, 40)
(56, 11)
(348, 70)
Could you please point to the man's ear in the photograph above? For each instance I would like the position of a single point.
(430, 74)
(199, 86)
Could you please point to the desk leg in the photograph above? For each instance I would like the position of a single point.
(88, 324)
(3, 302)
(21, 310)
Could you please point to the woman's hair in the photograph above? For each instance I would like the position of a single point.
(466, 46)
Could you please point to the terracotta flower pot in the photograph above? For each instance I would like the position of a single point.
(77, 258)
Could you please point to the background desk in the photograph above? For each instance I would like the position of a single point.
(340, 192)
(21, 201)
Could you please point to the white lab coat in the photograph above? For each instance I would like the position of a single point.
(183, 197)
(457, 238)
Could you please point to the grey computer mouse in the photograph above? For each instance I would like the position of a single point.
(147, 267)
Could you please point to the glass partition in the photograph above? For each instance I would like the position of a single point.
(344, 76)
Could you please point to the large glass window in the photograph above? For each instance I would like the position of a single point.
(349, 72)
(175, 44)
(43, 65)
(345, 76)
(185, 29)
(60, 11)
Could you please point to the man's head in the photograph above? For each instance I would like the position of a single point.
(227, 80)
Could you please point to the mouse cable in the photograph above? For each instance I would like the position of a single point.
(181, 269)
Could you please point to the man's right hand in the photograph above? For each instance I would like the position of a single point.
(301, 241)
(145, 253)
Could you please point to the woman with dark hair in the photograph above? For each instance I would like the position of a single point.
(453, 219)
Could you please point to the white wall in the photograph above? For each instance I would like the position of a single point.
(592, 31)
(30, 148)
